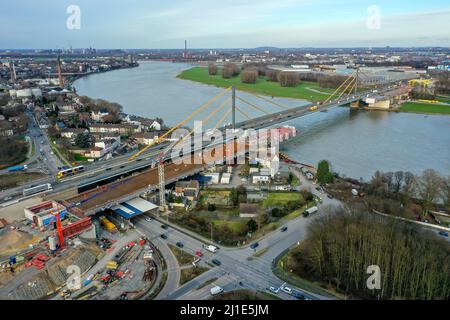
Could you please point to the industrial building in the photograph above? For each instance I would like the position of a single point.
(43, 214)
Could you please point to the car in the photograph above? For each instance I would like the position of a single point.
(284, 229)
(198, 253)
(274, 290)
(216, 262)
(121, 167)
(148, 219)
(298, 295)
(7, 198)
(286, 289)
(319, 189)
(330, 196)
(165, 226)
(180, 245)
(107, 169)
(163, 236)
(443, 233)
(254, 245)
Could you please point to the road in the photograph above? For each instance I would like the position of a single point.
(238, 264)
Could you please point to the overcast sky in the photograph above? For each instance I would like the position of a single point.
(224, 23)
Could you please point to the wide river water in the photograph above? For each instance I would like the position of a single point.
(357, 143)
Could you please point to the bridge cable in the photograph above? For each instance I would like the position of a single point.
(252, 105)
(243, 113)
(222, 118)
(182, 122)
(272, 102)
(353, 82)
(338, 88)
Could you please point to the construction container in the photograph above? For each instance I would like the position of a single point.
(111, 265)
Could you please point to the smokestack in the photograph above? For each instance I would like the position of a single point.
(60, 78)
(185, 50)
(12, 70)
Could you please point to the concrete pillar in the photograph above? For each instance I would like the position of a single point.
(233, 106)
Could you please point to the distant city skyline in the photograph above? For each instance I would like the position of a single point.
(139, 24)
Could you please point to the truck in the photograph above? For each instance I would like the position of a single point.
(108, 224)
(17, 168)
(211, 248)
(216, 290)
(309, 211)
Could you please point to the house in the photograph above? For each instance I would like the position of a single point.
(70, 133)
(248, 210)
(188, 189)
(95, 152)
(260, 179)
(98, 115)
(108, 145)
(123, 129)
(146, 138)
(149, 124)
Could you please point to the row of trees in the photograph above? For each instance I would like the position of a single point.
(324, 173)
(340, 248)
(428, 188)
(443, 84)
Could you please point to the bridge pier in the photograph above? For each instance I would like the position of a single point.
(233, 106)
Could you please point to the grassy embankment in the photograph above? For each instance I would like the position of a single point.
(191, 273)
(427, 108)
(305, 90)
(15, 179)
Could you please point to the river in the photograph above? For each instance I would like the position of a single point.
(357, 143)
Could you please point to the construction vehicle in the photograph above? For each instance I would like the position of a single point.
(313, 108)
(108, 224)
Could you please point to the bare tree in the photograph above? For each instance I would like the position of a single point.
(288, 79)
(398, 176)
(249, 76)
(272, 75)
(212, 69)
(230, 70)
(445, 192)
(428, 186)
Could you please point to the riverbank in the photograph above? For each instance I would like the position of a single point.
(425, 108)
(310, 91)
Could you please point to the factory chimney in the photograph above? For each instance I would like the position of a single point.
(186, 56)
(12, 71)
(60, 78)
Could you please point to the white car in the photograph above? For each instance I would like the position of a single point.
(274, 290)
(287, 290)
(148, 219)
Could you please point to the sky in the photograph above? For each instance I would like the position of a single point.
(153, 24)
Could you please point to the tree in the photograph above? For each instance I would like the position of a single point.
(288, 79)
(252, 225)
(428, 186)
(234, 197)
(445, 192)
(324, 174)
(212, 69)
(272, 75)
(249, 76)
(230, 70)
(82, 140)
(378, 184)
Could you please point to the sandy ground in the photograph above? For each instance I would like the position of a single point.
(15, 211)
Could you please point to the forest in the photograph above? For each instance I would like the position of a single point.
(339, 248)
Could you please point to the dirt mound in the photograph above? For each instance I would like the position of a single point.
(14, 240)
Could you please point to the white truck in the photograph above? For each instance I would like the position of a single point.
(216, 290)
(211, 248)
(309, 211)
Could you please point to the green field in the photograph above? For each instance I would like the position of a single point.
(280, 198)
(425, 108)
(305, 90)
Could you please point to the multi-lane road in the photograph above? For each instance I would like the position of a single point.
(240, 267)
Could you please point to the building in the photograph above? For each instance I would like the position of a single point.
(256, 196)
(98, 115)
(122, 129)
(146, 138)
(188, 189)
(43, 214)
(248, 210)
(70, 133)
